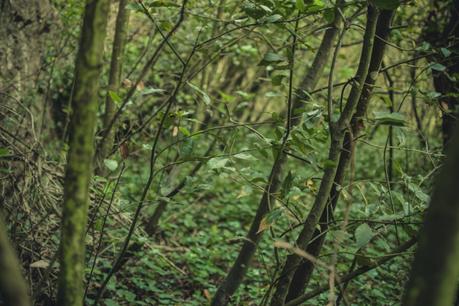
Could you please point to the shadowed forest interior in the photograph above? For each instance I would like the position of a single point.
(221, 152)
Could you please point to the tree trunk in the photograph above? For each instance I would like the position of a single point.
(442, 31)
(13, 288)
(81, 153)
(116, 68)
(304, 272)
(435, 270)
(240, 266)
(337, 138)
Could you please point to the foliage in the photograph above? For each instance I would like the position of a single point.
(204, 114)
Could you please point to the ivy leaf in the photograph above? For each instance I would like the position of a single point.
(111, 164)
(388, 118)
(363, 235)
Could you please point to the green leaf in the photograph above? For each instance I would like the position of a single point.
(4, 152)
(115, 98)
(111, 164)
(135, 7)
(363, 235)
(217, 162)
(110, 302)
(272, 18)
(421, 195)
(187, 147)
(277, 79)
(315, 6)
(255, 10)
(151, 90)
(445, 52)
(163, 3)
(184, 131)
(270, 58)
(287, 184)
(438, 67)
(387, 4)
(388, 118)
(244, 156)
(205, 97)
(300, 5)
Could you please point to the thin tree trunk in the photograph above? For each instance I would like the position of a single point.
(435, 270)
(116, 68)
(13, 287)
(240, 266)
(442, 33)
(304, 272)
(81, 153)
(337, 138)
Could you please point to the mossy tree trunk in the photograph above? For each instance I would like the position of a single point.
(13, 288)
(435, 270)
(116, 68)
(81, 152)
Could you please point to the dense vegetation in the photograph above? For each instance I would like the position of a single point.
(257, 152)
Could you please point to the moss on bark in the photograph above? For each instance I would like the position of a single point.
(81, 152)
(13, 288)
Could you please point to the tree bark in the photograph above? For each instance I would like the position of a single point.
(13, 288)
(81, 153)
(116, 68)
(240, 266)
(442, 31)
(304, 272)
(337, 138)
(435, 270)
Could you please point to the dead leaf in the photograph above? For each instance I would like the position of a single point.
(207, 294)
(41, 264)
(175, 131)
(264, 225)
(140, 86)
(127, 83)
